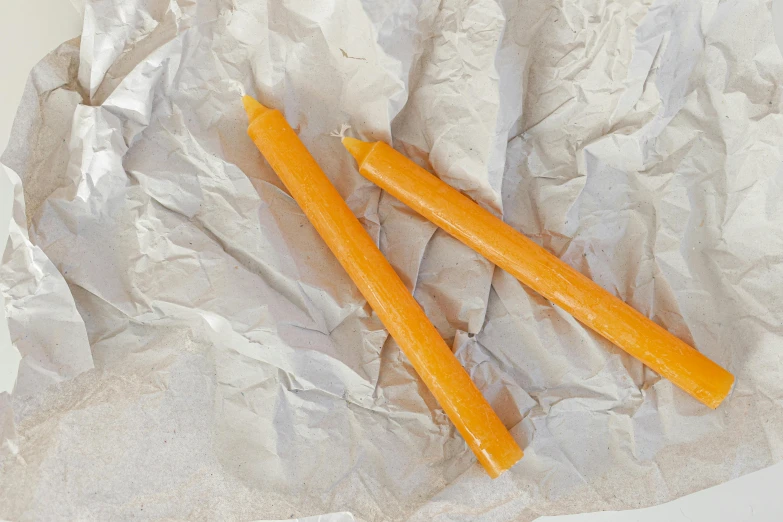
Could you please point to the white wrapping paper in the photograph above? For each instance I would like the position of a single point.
(191, 350)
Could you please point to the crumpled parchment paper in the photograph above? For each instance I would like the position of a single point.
(191, 350)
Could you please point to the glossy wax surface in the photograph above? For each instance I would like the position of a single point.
(543, 272)
(384, 290)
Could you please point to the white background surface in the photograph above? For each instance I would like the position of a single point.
(31, 28)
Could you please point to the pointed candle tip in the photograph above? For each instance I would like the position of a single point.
(253, 108)
(358, 149)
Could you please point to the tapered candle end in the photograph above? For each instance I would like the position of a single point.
(358, 149)
(253, 108)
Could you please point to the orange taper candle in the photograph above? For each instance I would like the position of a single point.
(543, 272)
(437, 366)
